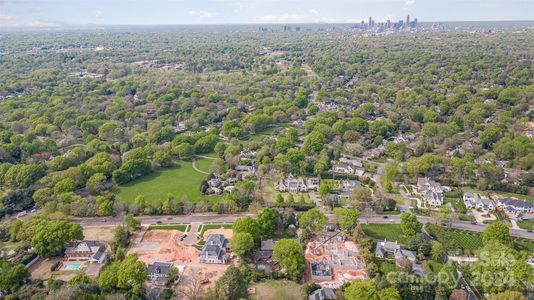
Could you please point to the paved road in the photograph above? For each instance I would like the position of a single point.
(395, 219)
(147, 220)
(215, 218)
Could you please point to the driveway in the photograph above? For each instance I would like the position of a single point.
(191, 238)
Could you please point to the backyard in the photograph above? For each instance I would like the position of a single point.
(278, 290)
(178, 180)
(390, 232)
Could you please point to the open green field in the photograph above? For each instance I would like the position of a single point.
(204, 164)
(180, 227)
(278, 290)
(526, 224)
(390, 232)
(179, 180)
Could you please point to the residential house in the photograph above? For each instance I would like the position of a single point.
(383, 248)
(245, 170)
(431, 191)
(323, 294)
(157, 272)
(292, 185)
(348, 186)
(347, 168)
(355, 162)
(313, 183)
(321, 270)
(92, 251)
(298, 123)
(515, 207)
(214, 250)
(475, 200)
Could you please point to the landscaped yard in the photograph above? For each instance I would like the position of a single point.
(390, 232)
(179, 180)
(204, 164)
(213, 226)
(278, 290)
(180, 227)
(468, 240)
(386, 267)
(526, 224)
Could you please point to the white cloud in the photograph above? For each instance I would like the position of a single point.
(12, 21)
(314, 12)
(97, 14)
(202, 14)
(409, 3)
(282, 18)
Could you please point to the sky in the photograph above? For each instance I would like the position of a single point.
(51, 13)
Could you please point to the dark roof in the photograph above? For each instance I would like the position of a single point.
(515, 203)
(322, 294)
(159, 267)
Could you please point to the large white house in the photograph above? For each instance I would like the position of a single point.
(431, 191)
(475, 200)
(291, 185)
(515, 207)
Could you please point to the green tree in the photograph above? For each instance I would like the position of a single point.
(231, 285)
(289, 254)
(361, 198)
(51, 237)
(347, 218)
(242, 244)
(172, 273)
(390, 293)
(248, 225)
(324, 189)
(267, 221)
(361, 289)
(438, 251)
(79, 279)
(108, 279)
(312, 221)
(498, 232)
(409, 224)
(507, 295)
(279, 198)
(132, 272)
(96, 183)
(132, 222)
(11, 278)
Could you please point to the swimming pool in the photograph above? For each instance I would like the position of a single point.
(72, 267)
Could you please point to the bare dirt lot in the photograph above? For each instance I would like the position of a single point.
(99, 233)
(226, 232)
(164, 246)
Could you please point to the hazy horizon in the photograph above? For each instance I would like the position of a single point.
(63, 13)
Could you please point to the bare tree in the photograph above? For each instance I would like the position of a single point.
(190, 285)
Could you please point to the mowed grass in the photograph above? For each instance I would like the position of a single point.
(468, 240)
(180, 227)
(179, 180)
(204, 164)
(526, 224)
(385, 267)
(390, 232)
(278, 290)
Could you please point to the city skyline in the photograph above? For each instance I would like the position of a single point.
(62, 13)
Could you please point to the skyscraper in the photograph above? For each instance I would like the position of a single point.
(407, 25)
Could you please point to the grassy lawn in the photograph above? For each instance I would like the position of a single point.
(278, 290)
(261, 135)
(180, 227)
(204, 164)
(468, 240)
(385, 267)
(214, 226)
(179, 180)
(526, 224)
(390, 232)
(527, 245)
(435, 266)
